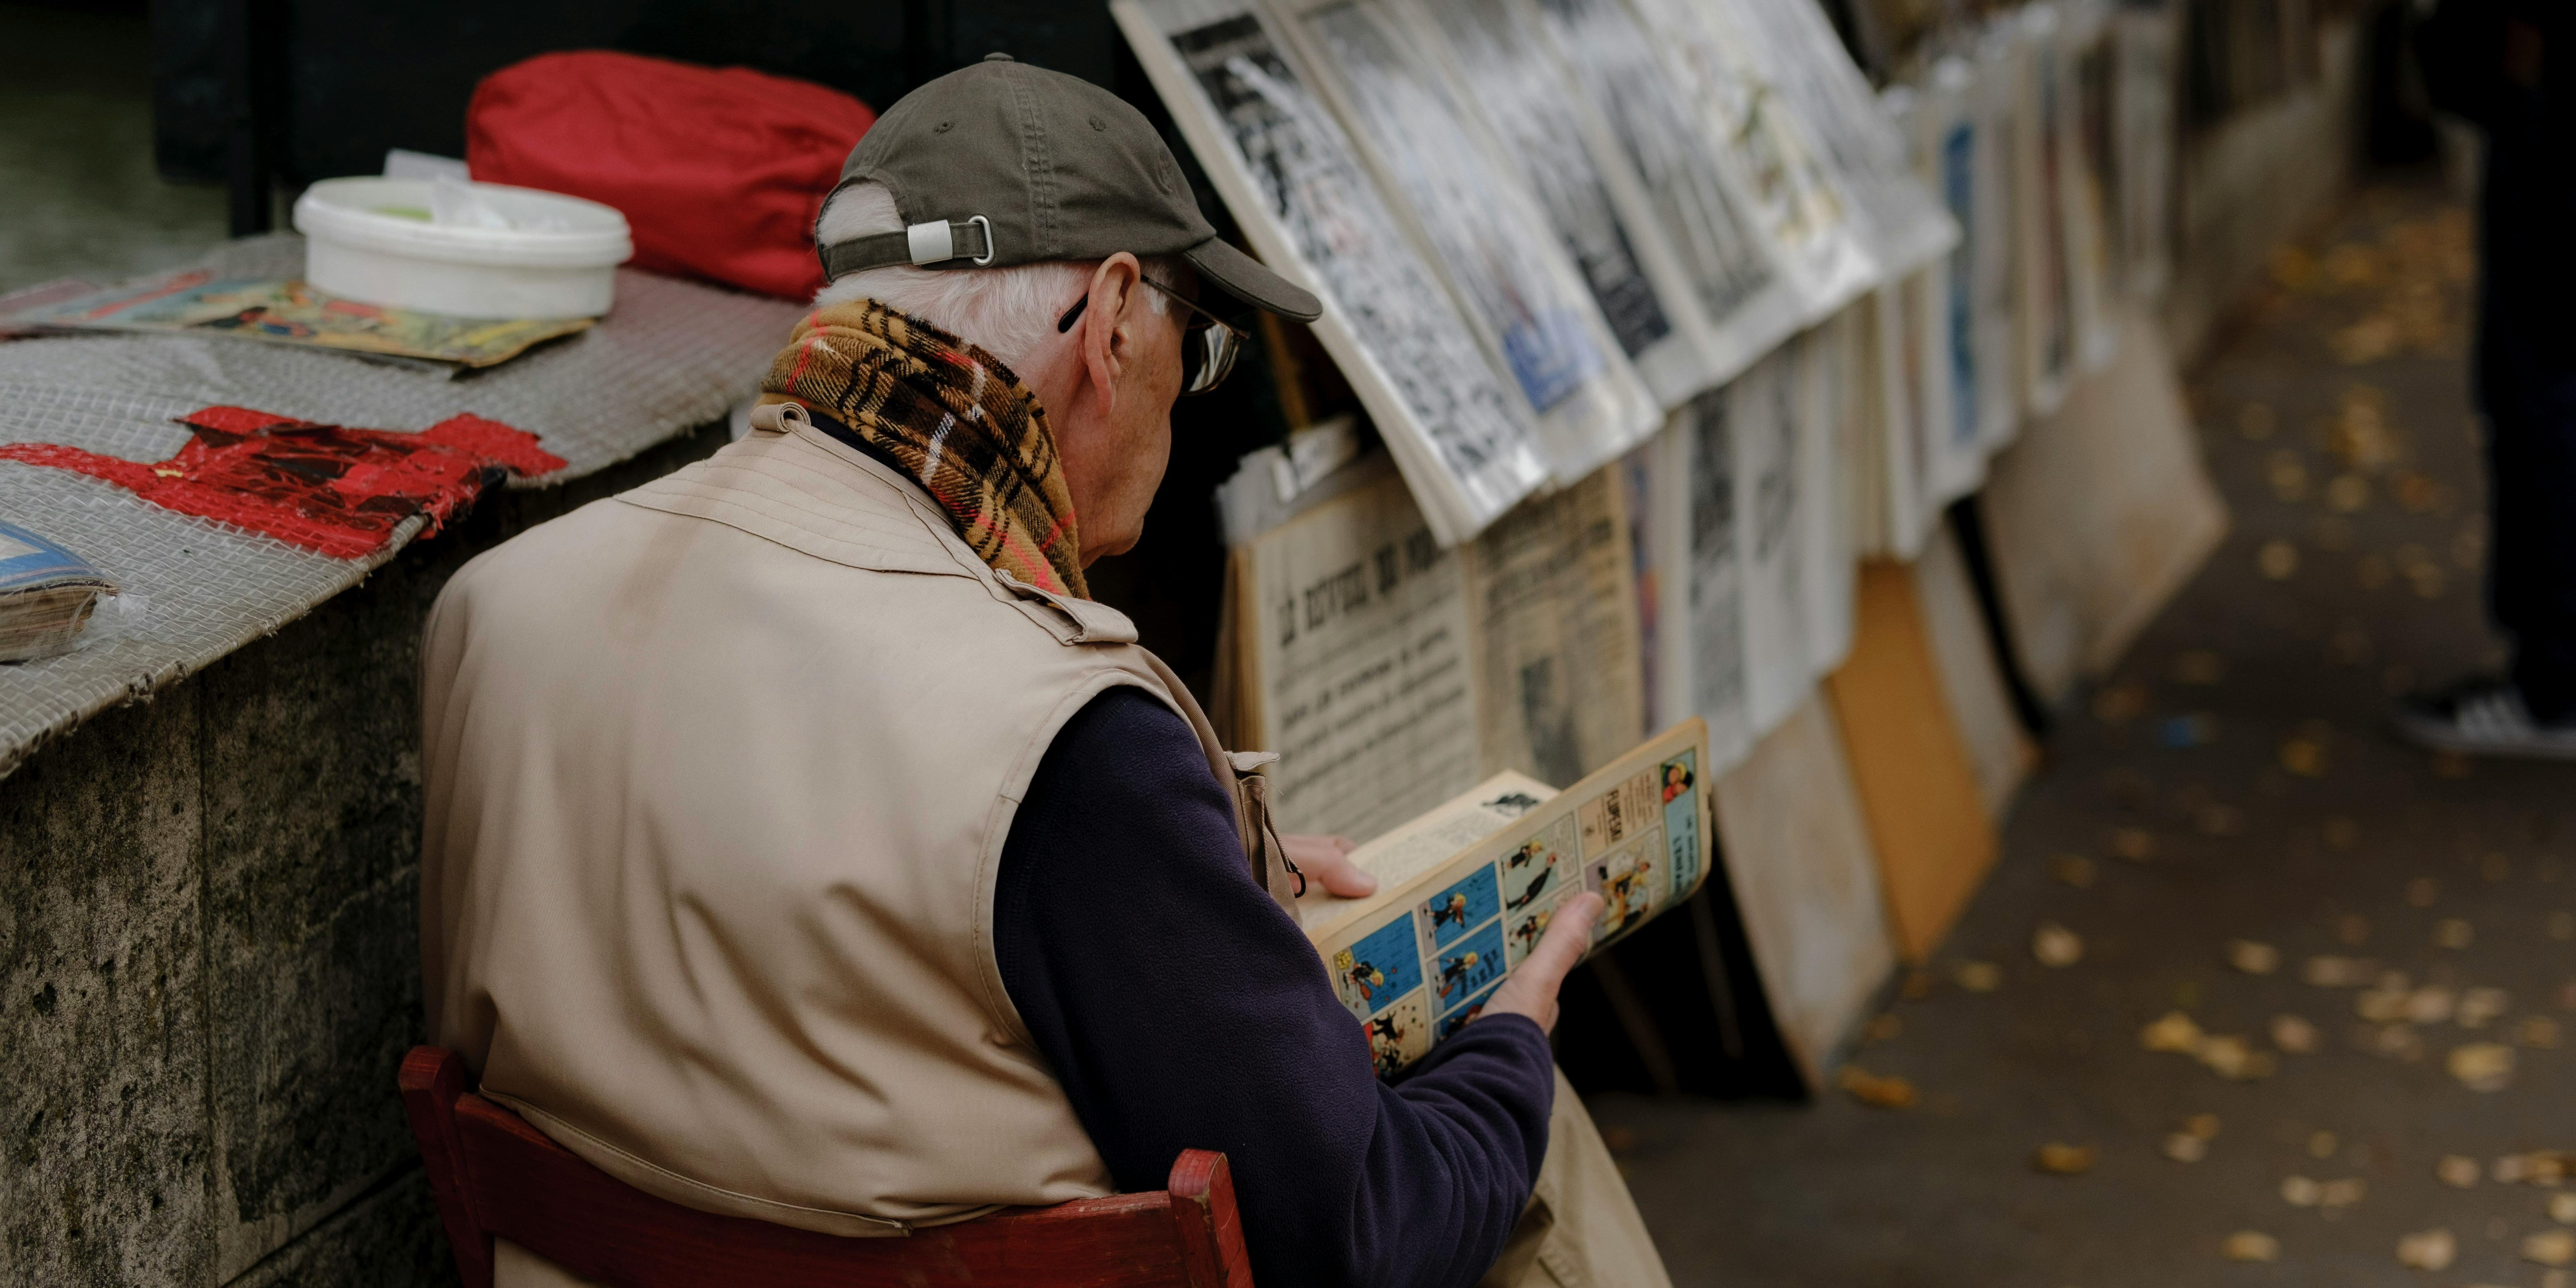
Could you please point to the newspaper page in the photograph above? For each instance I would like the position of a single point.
(1765, 418)
(1815, 74)
(2047, 295)
(1550, 592)
(1697, 202)
(2092, 185)
(1464, 439)
(1499, 61)
(1699, 542)
(1524, 297)
(1970, 366)
(1362, 674)
(1794, 196)
(286, 311)
(2145, 125)
(1827, 374)
(1417, 962)
(1997, 100)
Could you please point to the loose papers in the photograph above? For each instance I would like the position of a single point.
(1464, 438)
(1519, 291)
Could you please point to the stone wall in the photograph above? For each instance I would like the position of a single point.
(208, 954)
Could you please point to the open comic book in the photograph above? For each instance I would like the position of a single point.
(1466, 890)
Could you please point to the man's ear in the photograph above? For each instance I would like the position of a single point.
(1108, 333)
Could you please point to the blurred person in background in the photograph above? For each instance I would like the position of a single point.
(2506, 67)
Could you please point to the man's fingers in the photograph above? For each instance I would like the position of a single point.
(1326, 862)
(1569, 932)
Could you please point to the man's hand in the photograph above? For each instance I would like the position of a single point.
(1326, 861)
(1531, 990)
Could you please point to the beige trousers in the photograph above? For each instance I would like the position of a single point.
(1581, 1230)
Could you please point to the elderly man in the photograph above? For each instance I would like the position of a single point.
(803, 845)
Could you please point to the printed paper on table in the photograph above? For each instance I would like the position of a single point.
(284, 311)
(1465, 440)
(1486, 236)
(1469, 888)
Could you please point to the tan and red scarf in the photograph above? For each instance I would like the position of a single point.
(956, 420)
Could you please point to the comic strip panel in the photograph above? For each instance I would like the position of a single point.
(1463, 969)
(1535, 872)
(1522, 930)
(1615, 815)
(1631, 883)
(1475, 1006)
(1448, 915)
(1680, 782)
(1399, 1035)
(1382, 966)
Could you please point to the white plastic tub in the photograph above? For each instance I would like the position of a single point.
(373, 240)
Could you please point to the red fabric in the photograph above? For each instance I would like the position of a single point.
(719, 171)
(323, 487)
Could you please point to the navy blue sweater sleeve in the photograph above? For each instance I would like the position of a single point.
(1182, 1009)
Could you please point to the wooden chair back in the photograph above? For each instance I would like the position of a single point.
(494, 1176)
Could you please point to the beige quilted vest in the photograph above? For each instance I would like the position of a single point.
(718, 774)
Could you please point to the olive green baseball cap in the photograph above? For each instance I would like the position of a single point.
(1002, 163)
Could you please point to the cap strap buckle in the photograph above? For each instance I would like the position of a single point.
(933, 241)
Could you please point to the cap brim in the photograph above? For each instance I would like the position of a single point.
(1243, 277)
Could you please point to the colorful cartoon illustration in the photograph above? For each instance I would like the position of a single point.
(1464, 971)
(1513, 804)
(1522, 932)
(1466, 1014)
(1400, 1036)
(1625, 880)
(1538, 884)
(1449, 914)
(1681, 821)
(1385, 964)
(1677, 777)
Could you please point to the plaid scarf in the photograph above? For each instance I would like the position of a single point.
(954, 418)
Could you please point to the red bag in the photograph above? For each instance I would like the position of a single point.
(719, 171)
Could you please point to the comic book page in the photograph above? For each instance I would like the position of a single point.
(284, 311)
(1550, 596)
(1464, 439)
(1758, 135)
(1486, 237)
(1361, 678)
(1498, 63)
(1797, 45)
(1417, 962)
(1696, 202)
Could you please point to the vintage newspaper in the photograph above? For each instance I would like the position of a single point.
(1520, 292)
(1697, 544)
(1695, 200)
(1969, 315)
(284, 311)
(1498, 60)
(1468, 890)
(1795, 42)
(1555, 629)
(1793, 193)
(1464, 439)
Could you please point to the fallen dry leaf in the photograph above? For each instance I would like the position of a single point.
(2539, 1032)
(2428, 1005)
(2338, 972)
(2479, 1005)
(2063, 1159)
(2458, 1171)
(2295, 1035)
(2253, 958)
(2562, 1208)
(2183, 1147)
(1979, 977)
(2135, 844)
(1873, 1090)
(2056, 946)
(2509, 1170)
(2175, 1032)
(2399, 1041)
(2550, 1247)
(2427, 1250)
(2482, 1066)
(2250, 1245)
(2338, 1194)
(2204, 1126)
(2073, 869)
(2299, 1191)
(2230, 1056)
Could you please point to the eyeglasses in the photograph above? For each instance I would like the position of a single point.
(1209, 344)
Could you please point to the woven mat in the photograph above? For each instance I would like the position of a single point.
(673, 355)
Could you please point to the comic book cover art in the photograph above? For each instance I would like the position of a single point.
(1619, 813)
(1681, 793)
(1536, 870)
(1383, 965)
(1466, 1014)
(1456, 909)
(1463, 969)
(1628, 880)
(1399, 1035)
(1522, 930)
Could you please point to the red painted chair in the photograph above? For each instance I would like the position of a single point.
(496, 1176)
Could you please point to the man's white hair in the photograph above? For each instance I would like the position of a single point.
(1009, 311)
